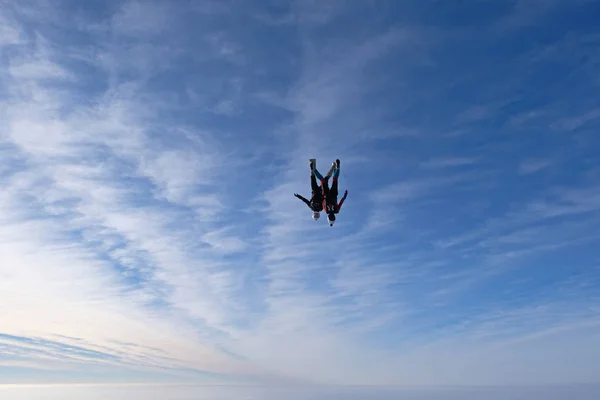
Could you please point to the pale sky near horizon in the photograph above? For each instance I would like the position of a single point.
(190, 392)
(150, 150)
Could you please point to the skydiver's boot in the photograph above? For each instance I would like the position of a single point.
(313, 163)
(336, 171)
(330, 172)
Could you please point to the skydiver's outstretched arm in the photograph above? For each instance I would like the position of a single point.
(342, 201)
(303, 199)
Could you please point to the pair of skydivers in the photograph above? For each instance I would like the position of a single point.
(323, 197)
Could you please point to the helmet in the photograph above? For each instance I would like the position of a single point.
(316, 215)
(331, 218)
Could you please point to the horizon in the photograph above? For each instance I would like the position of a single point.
(194, 392)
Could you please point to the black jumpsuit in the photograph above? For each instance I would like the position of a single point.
(316, 200)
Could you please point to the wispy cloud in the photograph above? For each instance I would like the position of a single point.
(448, 162)
(99, 198)
(136, 18)
(533, 166)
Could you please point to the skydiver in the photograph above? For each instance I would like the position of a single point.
(316, 201)
(330, 203)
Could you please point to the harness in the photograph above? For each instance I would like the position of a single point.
(329, 208)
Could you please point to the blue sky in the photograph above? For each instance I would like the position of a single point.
(149, 155)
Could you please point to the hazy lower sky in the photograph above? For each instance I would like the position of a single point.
(150, 150)
(172, 392)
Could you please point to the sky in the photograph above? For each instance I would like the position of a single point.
(191, 392)
(149, 156)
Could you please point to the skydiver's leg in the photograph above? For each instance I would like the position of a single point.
(333, 192)
(331, 170)
(313, 183)
(325, 186)
(317, 174)
(334, 181)
(313, 169)
(336, 171)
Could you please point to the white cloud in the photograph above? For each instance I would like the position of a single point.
(10, 33)
(576, 122)
(533, 166)
(38, 70)
(524, 14)
(224, 243)
(448, 162)
(70, 214)
(137, 18)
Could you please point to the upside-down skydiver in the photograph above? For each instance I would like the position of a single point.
(316, 201)
(330, 195)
